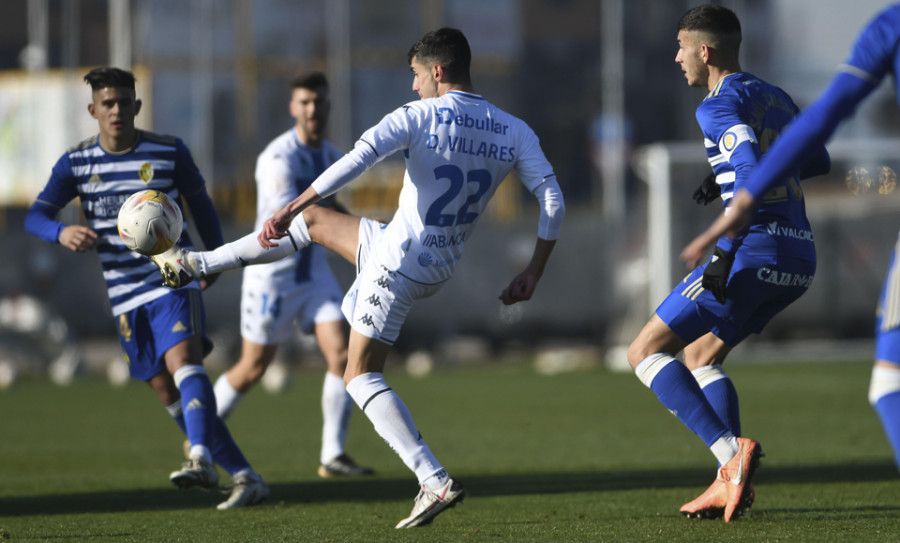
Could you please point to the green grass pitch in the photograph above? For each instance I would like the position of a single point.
(584, 456)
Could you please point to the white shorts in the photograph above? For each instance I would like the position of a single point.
(270, 306)
(380, 298)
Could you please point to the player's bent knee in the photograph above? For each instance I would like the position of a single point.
(636, 353)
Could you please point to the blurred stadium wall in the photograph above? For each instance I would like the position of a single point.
(593, 78)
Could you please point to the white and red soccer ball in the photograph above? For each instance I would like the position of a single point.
(149, 222)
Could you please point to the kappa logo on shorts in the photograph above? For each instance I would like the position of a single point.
(374, 300)
(388, 271)
(367, 320)
(383, 283)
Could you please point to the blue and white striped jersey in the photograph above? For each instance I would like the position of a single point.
(102, 181)
(740, 118)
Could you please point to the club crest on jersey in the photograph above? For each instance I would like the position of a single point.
(729, 140)
(146, 172)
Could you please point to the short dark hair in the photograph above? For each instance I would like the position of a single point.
(100, 78)
(718, 21)
(310, 80)
(447, 47)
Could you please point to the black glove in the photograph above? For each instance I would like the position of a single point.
(708, 190)
(715, 276)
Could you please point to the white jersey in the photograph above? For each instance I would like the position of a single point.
(284, 169)
(458, 149)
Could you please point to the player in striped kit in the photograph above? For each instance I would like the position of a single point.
(161, 330)
(458, 148)
(300, 287)
(750, 277)
(874, 56)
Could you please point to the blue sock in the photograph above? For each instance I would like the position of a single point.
(721, 394)
(225, 451)
(198, 402)
(677, 389)
(888, 409)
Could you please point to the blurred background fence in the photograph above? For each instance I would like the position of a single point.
(596, 79)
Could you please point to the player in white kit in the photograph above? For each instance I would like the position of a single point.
(298, 288)
(458, 148)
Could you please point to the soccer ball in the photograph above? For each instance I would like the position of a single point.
(149, 223)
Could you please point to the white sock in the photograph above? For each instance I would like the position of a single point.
(885, 380)
(247, 250)
(247, 472)
(227, 398)
(437, 480)
(202, 451)
(707, 375)
(174, 409)
(393, 422)
(337, 406)
(650, 367)
(725, 448)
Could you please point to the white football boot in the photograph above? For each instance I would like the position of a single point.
(343, 466)
(195, 472)
(177, 267)
(430, 503)
(245, 491)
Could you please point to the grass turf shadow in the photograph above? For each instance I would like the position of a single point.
(377, 489)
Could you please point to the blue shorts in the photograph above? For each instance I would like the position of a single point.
(148, 331)
(887, 316)
(758, 288)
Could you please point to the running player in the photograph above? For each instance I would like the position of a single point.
(458, 148)
(161, 330)
(874, 56)
(749, 278)
(300, 287)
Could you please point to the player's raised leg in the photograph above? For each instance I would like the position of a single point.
(338, 232)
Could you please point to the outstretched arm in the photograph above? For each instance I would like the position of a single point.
(277, 225)
(342, 172)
